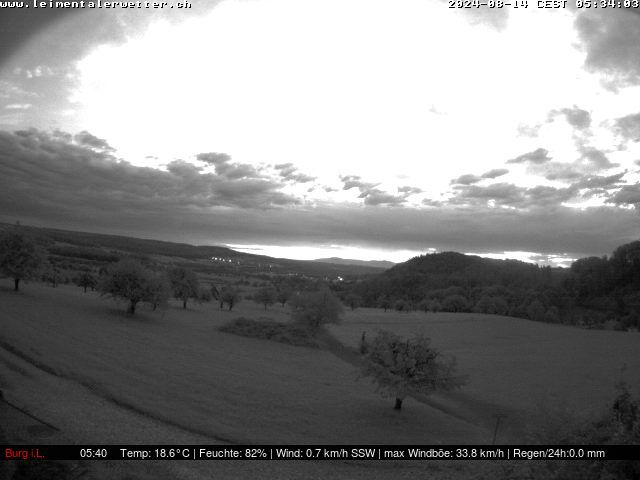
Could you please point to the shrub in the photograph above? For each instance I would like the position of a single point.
(317, 308)
(268, 329)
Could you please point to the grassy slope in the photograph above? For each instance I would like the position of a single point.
(514, 362)
(175, 365)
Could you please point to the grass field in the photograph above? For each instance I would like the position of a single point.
(175, 366)
(517, 363)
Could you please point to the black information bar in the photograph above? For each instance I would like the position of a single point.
(319, 452)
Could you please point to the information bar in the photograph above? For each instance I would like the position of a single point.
(319, 452)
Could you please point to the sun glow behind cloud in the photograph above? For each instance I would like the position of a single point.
(348, 87)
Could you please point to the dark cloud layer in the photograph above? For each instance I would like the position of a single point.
(52, 174)
(52, 180)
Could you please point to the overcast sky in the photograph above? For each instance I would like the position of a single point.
(363, 129)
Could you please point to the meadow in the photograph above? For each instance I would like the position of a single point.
(174, 366)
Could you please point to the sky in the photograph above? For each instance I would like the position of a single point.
(377, 129)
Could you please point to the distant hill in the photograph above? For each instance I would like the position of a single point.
(383, 264)
(415, 277)
(102, 248)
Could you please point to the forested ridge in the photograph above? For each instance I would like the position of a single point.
(594, 292)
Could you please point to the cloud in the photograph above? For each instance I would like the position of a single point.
(410, 190)
(378, 197)
(354, 181)
(628, 127)
(48, 179)
(213, 158)
(601, 182)
(576, 117)
(223, 166)
(510, 195)
(47, 173)
(85, 139)
(467, 179)
(538, 156)
(596, 158)
(591, 161)
(611, 39)
(627, 195)
(530, 131)
(495, 173)
(290, 173)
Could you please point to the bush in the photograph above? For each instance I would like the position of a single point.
(619, 425)
(314, 309)
(268, 329)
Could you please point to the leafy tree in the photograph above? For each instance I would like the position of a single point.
(318, 308)
(265, 296)
(536, 311)
(184, 284)
(231, 296)
(19, 257)
(401, 305)
(455, 303)
(383, 302)
(205, 295)
(86, 280)
(50, 273)
(283, 296)
(404, 367)
(158, 289)
(130, 281)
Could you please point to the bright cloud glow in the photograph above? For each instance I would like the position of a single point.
(338, 87)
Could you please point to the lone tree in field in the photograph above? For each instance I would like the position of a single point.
(184, 284)
(130, 281)
(19, 257)
(265, 296)
(314, 309)
(403, 367)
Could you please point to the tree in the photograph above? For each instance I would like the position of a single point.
(130, 281)
(404, 367)
(401, 305)
(282, 296)
(383, 302)
(19, 257)
(86, 280)
(265, 296)
(184, 284)
(230, 295)
(315, 309)
(455, 303)
(157, 289)
(50, 273)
